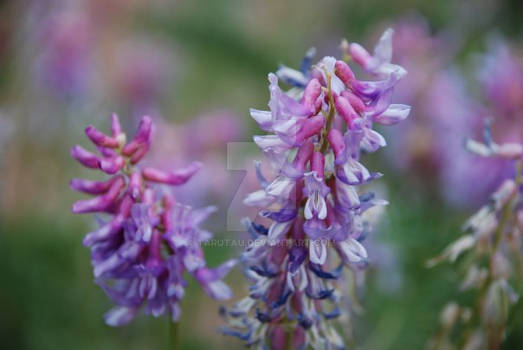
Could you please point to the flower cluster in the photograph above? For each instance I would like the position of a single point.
(493, 244)
(317, 131)
(140, 253)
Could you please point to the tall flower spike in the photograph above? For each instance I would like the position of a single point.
(492, 241)
(317, 216)
(141, 251)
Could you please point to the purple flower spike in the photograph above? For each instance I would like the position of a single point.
(140, 254)
(316, 216)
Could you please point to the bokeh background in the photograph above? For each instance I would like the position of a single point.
(197, 66)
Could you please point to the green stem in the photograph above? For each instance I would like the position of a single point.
(330, 116)
(174, 335)
(505, 217)
(289, 339)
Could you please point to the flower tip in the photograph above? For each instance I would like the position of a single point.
(273, 78)
(344, 72)
(359, 54)
(146, 119)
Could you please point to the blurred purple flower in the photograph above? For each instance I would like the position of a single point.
(141, 252)
(500, 72)
(144, 73)
(66, 41)
(431, 143)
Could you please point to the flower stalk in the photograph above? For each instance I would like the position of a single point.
(147, 240)
(493, 254)
(312, 218)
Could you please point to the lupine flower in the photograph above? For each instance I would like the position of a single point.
(492, 243)
(316, 134)
(148, 240)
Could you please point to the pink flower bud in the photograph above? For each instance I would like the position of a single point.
(135, 185)
(100, 203)
(356, 102)
(99, 138)
(318, 164)
(116, 128)
(92, 187)
(107, 152)
(112, 165)
(86, 158)
(336, 141)
(303, 155)
(359, 54)
(140, 153)
(310, 127)
(172, 178)
(311, 94)
(343, 71)
(345, 109)
(143, 136)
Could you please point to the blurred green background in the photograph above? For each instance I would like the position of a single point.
(221, 52)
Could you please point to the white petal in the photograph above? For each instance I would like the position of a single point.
(392, 115)
(277, 231)
(307, 212)
(263, 118)
(322, 212)
(318, 251)
(383, 50)
(353, 251)
(258, 198)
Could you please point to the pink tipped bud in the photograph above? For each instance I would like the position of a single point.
(92, 187)
(107, 152)
(318, 164)
(311, 94)
(174, 178)
(360, 55)
(135, 185)
(112, 165)
(99, 138)
(345, 109)
(310, 127)
(336, 141)
(86, 158)
(356, 102)
(143, 136)
(100, 203)
(343, 71)
(303, 155)
(116, 128)
(140, 153)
